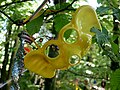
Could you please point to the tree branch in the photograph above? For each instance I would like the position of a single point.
(22, 23)
(66, 8)
(8, 4)
(8, 17)
(36, 12)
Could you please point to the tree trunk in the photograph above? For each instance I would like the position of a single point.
(12, 62)
(50, 83)
(12, 58)
(6, 57)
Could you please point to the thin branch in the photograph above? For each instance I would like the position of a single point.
(22, 23)
(61, 9)
(36, 12)
(9, 81)
(8, 17)
(8, 4)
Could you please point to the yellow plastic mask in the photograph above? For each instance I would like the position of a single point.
(83, 20)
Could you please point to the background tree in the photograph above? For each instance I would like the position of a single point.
(100, 67)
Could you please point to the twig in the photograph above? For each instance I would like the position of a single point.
(10, 80)
(8, 17)
(61, 9)
(37, 11)
(8, 4)
(22, 23)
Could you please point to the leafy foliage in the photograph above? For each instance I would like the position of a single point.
(34, 25)
(102, 37)
(61, 20)
(115, 80)
(103, 10)
(101, 62)
(117, 14)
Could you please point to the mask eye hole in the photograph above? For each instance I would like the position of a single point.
(74, 59)
(52, 51)
(70, 36)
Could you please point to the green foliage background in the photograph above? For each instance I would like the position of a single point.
(101, 62)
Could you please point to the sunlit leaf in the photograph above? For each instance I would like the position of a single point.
(2, 1)
(115, 80)
(34, 25)
(115, 48)
(67, 34)
(114, 3)
(61, 20)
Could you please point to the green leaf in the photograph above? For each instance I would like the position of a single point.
(70, 35)
(115, 80)
(117, 13)
(98, 1)
(115, 3)
(101, 37)
(61, 20)
(115, 48)
(102, 9)
(67, 34)
(108, 23)
(34, 26)
(62, 6)
(104, 30)
(1, 1)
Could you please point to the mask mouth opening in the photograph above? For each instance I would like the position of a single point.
(70, 36)
(52, 51)
(74, 59)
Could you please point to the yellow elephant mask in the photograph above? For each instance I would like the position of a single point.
(83, 20)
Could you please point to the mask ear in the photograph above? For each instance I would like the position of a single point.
(35, 62)
(85, 18)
